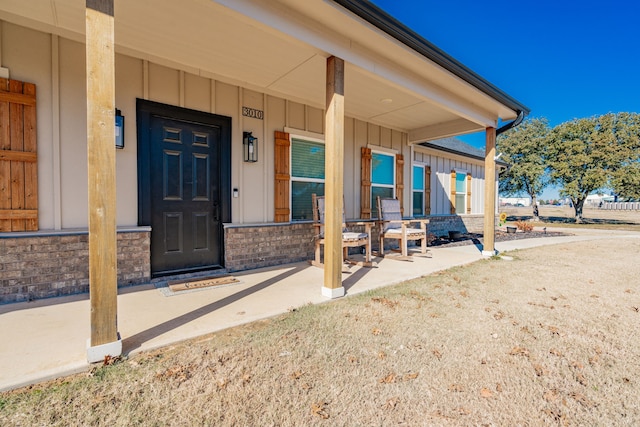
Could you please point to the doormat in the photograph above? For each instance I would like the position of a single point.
(181, 285)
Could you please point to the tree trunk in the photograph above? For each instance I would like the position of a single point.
(534, 204)
(577, 206)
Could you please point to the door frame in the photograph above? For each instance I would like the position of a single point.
(144, 111)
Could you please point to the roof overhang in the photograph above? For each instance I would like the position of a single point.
(393, 77)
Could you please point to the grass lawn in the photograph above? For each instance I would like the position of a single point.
(548, 338)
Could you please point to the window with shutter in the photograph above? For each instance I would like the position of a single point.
(282, 177)
(427, 190)
(418, 190)
(18, 158)
(468, 193)
(365, 183)
(307, 176)
(461, 193)
(383, 178)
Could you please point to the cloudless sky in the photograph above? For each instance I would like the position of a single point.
(563, 59)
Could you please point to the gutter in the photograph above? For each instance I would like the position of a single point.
(391, 26)
(512, 124)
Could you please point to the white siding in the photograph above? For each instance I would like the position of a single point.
(441, 168)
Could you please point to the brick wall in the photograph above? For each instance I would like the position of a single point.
(42, 265)
(256, 246)
(441, 225)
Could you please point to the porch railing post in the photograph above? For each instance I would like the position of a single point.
(488, 247)
(103, 288)
(334, 177)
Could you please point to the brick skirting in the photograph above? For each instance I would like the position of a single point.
(256, 246)
(441, 225)
(41, 265)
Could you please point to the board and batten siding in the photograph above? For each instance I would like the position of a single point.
(56, 65)
(441, 168)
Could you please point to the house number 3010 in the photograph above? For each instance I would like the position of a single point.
(253, 113)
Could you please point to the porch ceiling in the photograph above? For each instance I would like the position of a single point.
(280, 47)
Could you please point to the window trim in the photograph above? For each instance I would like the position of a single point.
(393, 154)
(307, 138)
(466, 189)
(423, 191)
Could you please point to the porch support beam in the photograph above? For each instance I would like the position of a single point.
(103, 291)
(334, 178)
(488, 247)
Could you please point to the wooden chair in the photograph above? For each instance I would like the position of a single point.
(393, 226)
(350, 239)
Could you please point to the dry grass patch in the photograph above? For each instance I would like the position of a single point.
(520, 342)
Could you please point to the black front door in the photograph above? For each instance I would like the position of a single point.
(186, 193)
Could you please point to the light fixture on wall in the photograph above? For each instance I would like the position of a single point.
(119, 129)
(250, 144)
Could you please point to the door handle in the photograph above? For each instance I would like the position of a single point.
(216, 211)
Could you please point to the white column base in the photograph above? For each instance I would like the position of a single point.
(97, 353)
(489, 254)
(333, 292)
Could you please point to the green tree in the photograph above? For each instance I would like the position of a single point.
(523, 148)
(625, 181)
(588, 154)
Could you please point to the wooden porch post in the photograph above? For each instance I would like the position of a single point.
(334, 177)
(103, 289)
(488, 248)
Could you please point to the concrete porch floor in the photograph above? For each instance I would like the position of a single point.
(47, 338)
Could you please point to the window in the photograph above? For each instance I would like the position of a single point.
(418, 190)
(461, 193)
(307, 176)
(382, 178)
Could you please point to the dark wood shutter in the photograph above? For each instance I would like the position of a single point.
(468, 193)
(453, 192)
(283, 177)
(365, 183)
(400, 181)
(427, 190)
(18, 158)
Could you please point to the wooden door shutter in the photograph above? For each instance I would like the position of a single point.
(468, 193)
(427, 190)
(283, 177)
(365, 183)
(452, 196)
(400, 181)
(18, 158)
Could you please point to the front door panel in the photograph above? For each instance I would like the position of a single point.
(185, 196)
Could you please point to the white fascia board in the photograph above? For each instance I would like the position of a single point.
(307, 31)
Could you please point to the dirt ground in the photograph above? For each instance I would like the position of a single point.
(547, 338)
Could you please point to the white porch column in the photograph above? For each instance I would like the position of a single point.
(103, 284)
(334, 178)
(488, 248)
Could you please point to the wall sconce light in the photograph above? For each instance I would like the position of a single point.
(119, 129)
(250, 143)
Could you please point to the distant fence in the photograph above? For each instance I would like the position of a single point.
(621, 206)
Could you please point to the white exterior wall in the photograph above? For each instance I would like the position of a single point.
(441, 168)
(57, 66)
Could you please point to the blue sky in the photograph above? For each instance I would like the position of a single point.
(564, 59)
